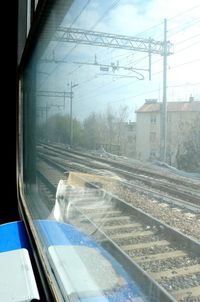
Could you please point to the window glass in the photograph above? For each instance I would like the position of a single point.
(152, 137)
(153, 119)
(110, 184)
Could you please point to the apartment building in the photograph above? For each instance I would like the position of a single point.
(181, 117)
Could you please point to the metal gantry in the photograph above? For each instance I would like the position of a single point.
(150, 46)
(95, 38)
(54, 94)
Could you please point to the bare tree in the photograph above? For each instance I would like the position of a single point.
(188, 157)
(106, 129)
(121, 119)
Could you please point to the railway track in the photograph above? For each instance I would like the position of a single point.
(173, 194)
(178, 187)
(169, 260)
(176, 213)
(145, 170)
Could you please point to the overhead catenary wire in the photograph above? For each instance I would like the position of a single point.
(170, 18)
(72, 23)
(114, 4)
(126, 85)
(108, 84)
(76, 69)
(186, 63)
(109, 8)
(178, 51)
(184, 12)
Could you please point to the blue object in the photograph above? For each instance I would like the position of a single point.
(57, 233)
(13, 236)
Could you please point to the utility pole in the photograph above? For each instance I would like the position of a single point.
(163, 115)
(47, 108)
(71, 113)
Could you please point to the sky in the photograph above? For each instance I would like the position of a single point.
(97, 90)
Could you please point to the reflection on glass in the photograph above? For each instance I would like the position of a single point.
(112, 131)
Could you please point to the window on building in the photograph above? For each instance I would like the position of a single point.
(153, 154)
(152, 137)
(153, 119)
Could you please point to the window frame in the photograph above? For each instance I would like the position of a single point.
(38, 16)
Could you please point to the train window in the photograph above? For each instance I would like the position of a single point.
(110, 225)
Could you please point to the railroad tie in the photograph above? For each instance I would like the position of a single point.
(183, 293)
(159, 257)
(145, 245)
(188, 270)
(132, 235)
(121, 227)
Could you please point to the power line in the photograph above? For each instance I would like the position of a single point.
(114, 4)
(179, 65)
(187, 47)
(188, 39)
(150, 28)
(155, 26)
(186, 84)
(183, 27)
(134, 96)
(80, 13)
(108, 84)
(134, 35)
(184, 12)
(74, 47)
(179, 50)
(75, 19)
(97, 22)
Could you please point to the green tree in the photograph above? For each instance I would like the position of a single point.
(57, 129)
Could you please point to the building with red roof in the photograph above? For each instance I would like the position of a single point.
(181, 117)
